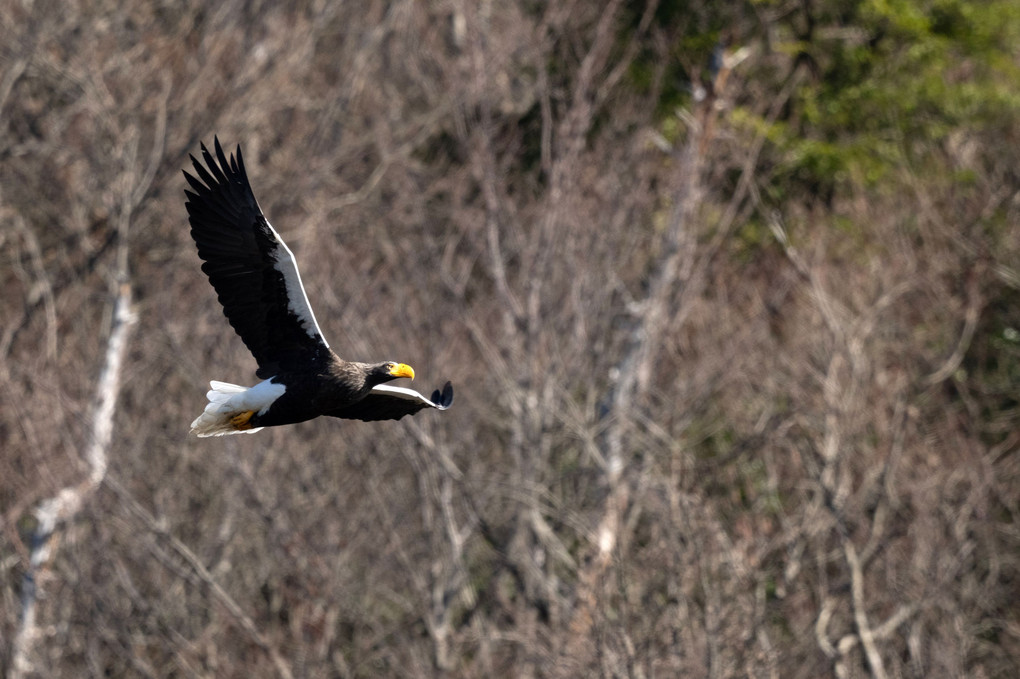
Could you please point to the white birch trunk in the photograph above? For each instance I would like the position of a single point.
(55, 513)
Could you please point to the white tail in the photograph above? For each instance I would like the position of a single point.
(228, 400)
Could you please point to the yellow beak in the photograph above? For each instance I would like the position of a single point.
(402, 370)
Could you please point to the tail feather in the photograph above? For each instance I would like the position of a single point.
(222, 388)
(227, 400)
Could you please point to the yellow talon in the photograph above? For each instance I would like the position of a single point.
(241, 421)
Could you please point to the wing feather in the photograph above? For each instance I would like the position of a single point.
(386, 402)
(253, 271)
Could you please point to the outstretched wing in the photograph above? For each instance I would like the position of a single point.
(252, 270)
(391, 403)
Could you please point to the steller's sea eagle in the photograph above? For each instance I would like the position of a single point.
(256, 280)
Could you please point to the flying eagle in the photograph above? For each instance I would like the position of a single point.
(256, 280)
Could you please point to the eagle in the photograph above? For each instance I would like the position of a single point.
(257, 282)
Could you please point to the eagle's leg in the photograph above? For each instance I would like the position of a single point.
(242, 421)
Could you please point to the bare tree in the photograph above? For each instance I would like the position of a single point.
(712, 420)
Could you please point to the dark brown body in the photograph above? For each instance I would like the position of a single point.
(311, 394)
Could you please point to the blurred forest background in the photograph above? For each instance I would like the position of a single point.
(729, 293)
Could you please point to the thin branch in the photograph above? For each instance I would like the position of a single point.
(867, 636)
(970, 322)
(42, 285)
(14, 72)
(198, 568)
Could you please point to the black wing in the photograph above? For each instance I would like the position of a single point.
(252, 270)
(391, 403)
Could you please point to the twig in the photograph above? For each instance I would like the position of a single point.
(970, 322)
(864, 630)
(199, 569)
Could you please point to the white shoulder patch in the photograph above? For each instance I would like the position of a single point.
(401, 392)
(297, 300)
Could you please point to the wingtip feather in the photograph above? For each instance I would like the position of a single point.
(443, 399)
